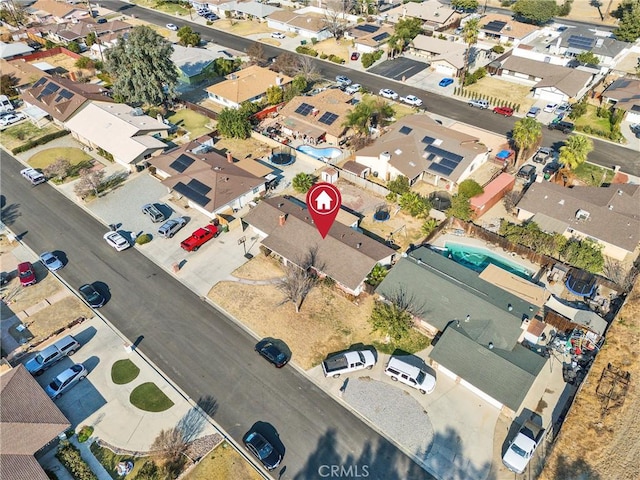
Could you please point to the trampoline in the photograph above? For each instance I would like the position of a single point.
(441, 200)
(282, 159)
(381, 214)
(581, 283)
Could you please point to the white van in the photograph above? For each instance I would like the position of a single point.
(5, 104)
(401, 371)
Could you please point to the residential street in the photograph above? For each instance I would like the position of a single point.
(197, 346)
(605, 154)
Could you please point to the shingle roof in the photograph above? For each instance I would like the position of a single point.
(57, 9)
(511, 28)
(454, 53)
(247, 83)
(504, 375)
(430, 11)
(605, 46)
(568, 80)
(345, 255)
(443, 291)
(191, 60)
(614, 216)
(260, 10)
(10, 50)
(326, 102)
(303, 21)
(625, 92)
(25, 73)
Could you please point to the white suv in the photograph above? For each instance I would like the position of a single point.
(34, 176)
(483, 104)
(403, 372)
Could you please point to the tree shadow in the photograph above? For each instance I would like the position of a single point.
(10, 213)
(193, 422)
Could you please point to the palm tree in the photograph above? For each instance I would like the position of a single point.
(395, 44)
(526, 133)
(575, 150)
(470, 35)
(361, 116)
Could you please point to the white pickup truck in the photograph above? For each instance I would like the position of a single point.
(522, 448)
(411, 100)
(348, 362)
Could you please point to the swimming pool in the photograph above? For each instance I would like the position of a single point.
(320, 153)
(478, 258)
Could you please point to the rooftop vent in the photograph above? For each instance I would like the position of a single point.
(137, 112)
(620, 192)
(582, 215)
(610, 207)
(358, 245)
(561, 202)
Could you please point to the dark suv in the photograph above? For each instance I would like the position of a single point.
(564, 127)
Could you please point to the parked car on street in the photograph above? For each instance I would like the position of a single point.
(533, 112)
(66, 380)
(116, 240)
(52, 354)
(445, 82)
(506, 111)
(272, 353)
(343, 81)
(353, 88)
(169, 228)
(50, 261)
(26, 274)
(411, 100)
(564, 127)
(388, 93)
(543, 155)
(199, 238)
(92, 296)
(482, 104)
(33, 176)
(262, 450)
(153, 212)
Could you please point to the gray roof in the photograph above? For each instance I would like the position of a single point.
(625, 92)
(191, 60)
(605, 46)
(260, 10)
(345, 255)
(9, 50)
(442, 291)
(614, 216)
(505, 375)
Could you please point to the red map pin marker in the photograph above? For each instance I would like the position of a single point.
(323, 202)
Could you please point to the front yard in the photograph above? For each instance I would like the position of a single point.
(593, 175)
(44, 158)
(590, 123)
(504, 91)
(241, 27)
(221, 464)
(17, 135)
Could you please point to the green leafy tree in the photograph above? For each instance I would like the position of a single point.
(399, 185)
(526, 133)
(470, 188)
(300, 83)
(588, 58)
(90, 39)
(365, 112)
(408, 28)
(376, 275)
(584, 254)
(8, 84)
(537, 12)
(225, 66)
(470, 33)
(628, 13)
(391, 319)
(429, 225)
(48, 44)
(234, 123)
(141, 67)
(415, 204)
(274, 95)
(85, 62)
(575, 151)
(187, 37)
(578, 109)
(460, 208)
(302, 182)
(73, 46)
(466, 4)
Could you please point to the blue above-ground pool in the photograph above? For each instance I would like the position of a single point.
(478, 258)
(320, 153)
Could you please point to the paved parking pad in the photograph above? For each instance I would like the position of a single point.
(399, 69)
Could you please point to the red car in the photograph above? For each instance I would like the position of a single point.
(506, 111)
(355, 56)
(199, 238)
(26, 274)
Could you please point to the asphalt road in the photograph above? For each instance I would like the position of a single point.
(605, 154)
(197, 346)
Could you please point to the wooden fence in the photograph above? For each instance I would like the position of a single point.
(362, 182)
(202, 110)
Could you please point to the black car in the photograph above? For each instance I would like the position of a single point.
(551, 168)
(92, 296)
(528, 172)
(263, 450)
(564, 127)
(272, 353)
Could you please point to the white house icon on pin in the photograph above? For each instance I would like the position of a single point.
(323, 201)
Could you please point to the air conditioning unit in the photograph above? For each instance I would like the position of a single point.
(582, 215)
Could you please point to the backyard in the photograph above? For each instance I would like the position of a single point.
(504, 91)
(241, 149)
(17, 135)
(193, 122)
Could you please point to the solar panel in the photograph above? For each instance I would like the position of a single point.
(304, 109)
(50, 89)
(428, 140)
(405, 130)
(444, 154)
(66, 94)
(368, 28)
(191, 194)
(495, 26)
(436, 167)
(448, 163)
(199, 187)
(578, 41)
(181, 163)
(42, 81)
(328, 118)
(382, 36)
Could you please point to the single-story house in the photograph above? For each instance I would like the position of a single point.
(607, 215)
(344, 255)
(369, 37)
(47, 10)
(194, 64)
(247, 9)
(78, 30)
(61, 98)
(247, 85)
(25, 74)
(503, 29)
(576, 40)
(624, 93)
(10, 51)
(481, 325)
(445, 57)
(317, 118)
(553, 83)
(421, 149)
(29, 421)
(212, 183)
(307, 25)
(124, 132)
(436, 16)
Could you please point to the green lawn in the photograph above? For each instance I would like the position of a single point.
(19, 134)
(110, 460)
(593, 174)
(412, 343)
(196, 124)
(124, 371)
(150, 398)
(590, 119)
(46, 157)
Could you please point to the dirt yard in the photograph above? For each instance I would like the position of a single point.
(504, 91)
(56, 316)
(19, 298)
(594, 447)
(223, 463)
(333, 46)
(242, 28)
(241, 149)
(582, 10)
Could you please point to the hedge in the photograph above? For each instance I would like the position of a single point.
(72, 460)
(39, 141)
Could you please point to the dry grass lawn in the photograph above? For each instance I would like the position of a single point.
(504, 91)
(260, 268)
(333, 46)
(592, 446)
(404, 228)
(249, 148)
(242, 28)
(581, 10)
(221, 464)
(56, 316)
(30, 296)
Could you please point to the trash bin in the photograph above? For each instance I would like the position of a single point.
(303, 42)
(225, 228)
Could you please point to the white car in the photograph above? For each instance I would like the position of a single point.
(351, 89)
(563, 109)
(50, 261)
(34, 176)
(343, 81)
(117, 241)
(411, 100)
(388, 93)
(550, 108)
(172, 27)
(278, 35)
(12, 118)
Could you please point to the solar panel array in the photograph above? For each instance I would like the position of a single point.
(495, 26)
(382, 36)
(190, 193)
(66, 94)
(304, 109)
(50, 89)
(428, 140)
(181, 163)
(405, 130)
(42, 81)
(328, 118)
(448, 160)
(368, 28)
(199, 187)
(576, 41)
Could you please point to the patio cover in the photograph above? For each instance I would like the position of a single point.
(585, 318)
(35, 114)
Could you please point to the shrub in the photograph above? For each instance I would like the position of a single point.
(323, 56)
(499, 49)
(39, 141)
(144, 238)
(304, 50)
(85, 433)
(368, 59)
(314, 40)
(336, 59)
(70, 457)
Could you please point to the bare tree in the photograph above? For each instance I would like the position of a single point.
(335, 17)
(287, 63)
(256, 54)
(169, 444)
(300, 278)
(58, 169)
(617, 273)
(307, 68)
(89, 182)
